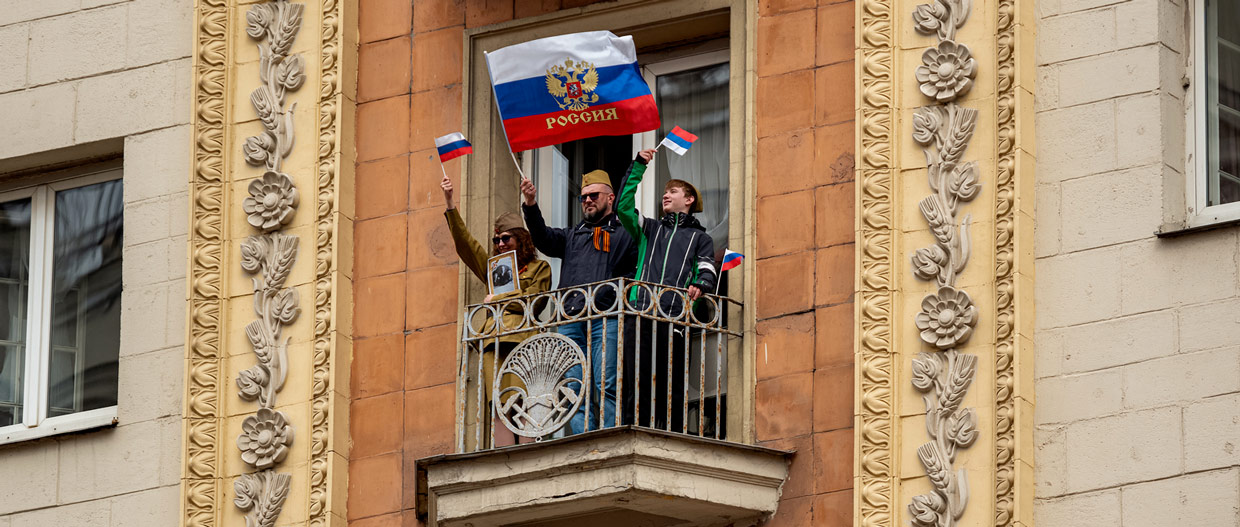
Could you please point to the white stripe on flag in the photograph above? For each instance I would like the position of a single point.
(671, 145)
(534, 58)
(449, 139)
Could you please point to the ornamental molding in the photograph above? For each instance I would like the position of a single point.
(200, 493)
(875, 368)
(944, 375)
(267, 435)
(329, 164)
(947, 318)
(1005, 260)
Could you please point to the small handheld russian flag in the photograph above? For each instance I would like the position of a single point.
(452, 146)
(678, 140)
(730, 260)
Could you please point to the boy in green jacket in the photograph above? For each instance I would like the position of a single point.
(673, 251)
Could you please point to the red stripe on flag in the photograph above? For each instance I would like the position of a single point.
(629, 116)
(455, 153)
(683, 134)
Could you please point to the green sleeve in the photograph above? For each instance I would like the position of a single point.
(626, 204)
(472, 253)
(626, 209)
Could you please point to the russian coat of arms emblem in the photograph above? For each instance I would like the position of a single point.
(572, 84)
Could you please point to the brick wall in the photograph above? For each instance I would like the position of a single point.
(1138, 340)
(110, 70)
(409, 91)
(804, 254)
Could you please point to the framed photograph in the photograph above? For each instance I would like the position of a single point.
(502, 273)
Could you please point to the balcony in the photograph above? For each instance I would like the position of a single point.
(607, 403)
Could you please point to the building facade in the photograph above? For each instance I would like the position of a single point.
(990, 277)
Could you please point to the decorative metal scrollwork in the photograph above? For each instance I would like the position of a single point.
(546, 399)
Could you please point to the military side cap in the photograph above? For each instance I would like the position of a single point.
(595, 177)
(508, 221)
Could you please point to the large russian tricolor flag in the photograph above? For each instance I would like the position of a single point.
(559, 89)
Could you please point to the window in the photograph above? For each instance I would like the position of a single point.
(60, 293)
(692, 92)
(1214, 186)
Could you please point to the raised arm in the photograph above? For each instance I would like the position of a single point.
(472, 253)
(626, 203)
(549, 240)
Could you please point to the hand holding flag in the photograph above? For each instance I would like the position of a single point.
(678, 140)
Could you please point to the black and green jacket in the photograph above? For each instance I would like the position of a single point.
(674, 250)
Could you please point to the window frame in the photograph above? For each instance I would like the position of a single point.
(1200, 213)
(35, 421)
(489, 180)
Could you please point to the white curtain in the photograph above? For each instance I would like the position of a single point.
(697, 101)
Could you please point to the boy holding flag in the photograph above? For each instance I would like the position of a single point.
(675, 251)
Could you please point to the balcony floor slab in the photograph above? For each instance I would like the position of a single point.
(619, 476)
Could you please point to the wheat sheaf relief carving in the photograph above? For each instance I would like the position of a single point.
(947, 317)
(267, 435)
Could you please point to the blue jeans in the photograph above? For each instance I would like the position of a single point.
(597, 352)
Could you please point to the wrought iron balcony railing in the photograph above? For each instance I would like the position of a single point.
(611, 353)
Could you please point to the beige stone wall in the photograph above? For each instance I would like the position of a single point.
(75, 72)
(1138, 340)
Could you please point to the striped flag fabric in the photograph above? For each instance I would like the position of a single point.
(678, 140)
(452, 146)
(568, 87)
(731, 260)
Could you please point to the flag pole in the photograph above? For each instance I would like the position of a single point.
(503, 126)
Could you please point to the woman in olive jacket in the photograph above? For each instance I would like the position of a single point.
(534, 277)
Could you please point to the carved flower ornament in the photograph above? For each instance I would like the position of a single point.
(265, 438)
(272, 201)
(947, 318)
(947, 71)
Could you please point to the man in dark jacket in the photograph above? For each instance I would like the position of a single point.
(596, 249)
(674, 251)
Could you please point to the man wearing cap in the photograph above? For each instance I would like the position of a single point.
(597, 249)
(674, 251)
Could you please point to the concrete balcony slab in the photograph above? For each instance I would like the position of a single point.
(626, 476)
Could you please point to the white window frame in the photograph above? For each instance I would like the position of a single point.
(1199, 212)
(35, 422)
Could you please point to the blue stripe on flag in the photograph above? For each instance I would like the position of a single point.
(453, 146)
(528, 97)
(679, 140)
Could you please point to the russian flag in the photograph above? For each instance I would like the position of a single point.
(730, 260)
(678, 140)
(452, 146)
(559, 89)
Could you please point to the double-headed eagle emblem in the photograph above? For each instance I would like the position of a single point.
(573, 84)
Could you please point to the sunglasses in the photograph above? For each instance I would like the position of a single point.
(505, 238)
(593, 196)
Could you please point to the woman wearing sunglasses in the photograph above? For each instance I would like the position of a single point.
(534, 276)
